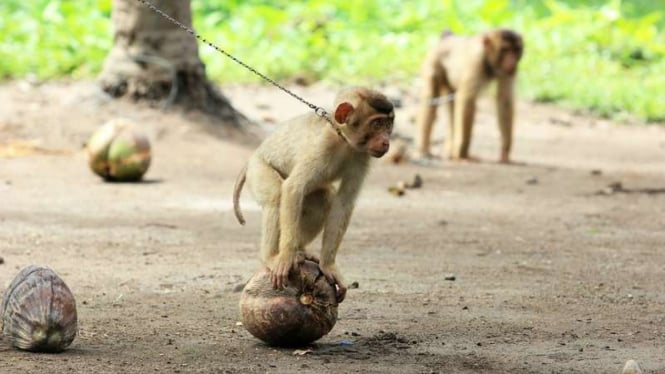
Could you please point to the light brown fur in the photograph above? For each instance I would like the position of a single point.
(463, 66)
(292, 174)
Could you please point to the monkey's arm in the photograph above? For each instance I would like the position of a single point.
(295, 187)
(505, 109)
(336, 225)
(463, 114)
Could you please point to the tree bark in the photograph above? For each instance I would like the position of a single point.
(154, 59)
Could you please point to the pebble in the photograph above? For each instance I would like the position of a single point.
(631, 367)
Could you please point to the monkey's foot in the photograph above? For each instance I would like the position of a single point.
(334, 277)
(279, 276)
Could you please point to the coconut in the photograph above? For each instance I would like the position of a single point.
(38, 311)
(118, 151)
(300, 313)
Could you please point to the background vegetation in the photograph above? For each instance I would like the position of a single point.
(605, 56)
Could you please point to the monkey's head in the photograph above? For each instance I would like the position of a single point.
(366, 118)
(503, 51)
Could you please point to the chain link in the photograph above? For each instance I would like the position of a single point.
(321, 112)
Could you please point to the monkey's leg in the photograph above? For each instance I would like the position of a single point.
(465, 108)
(269, 234)
(505, 110)
(448, 144)
(427, 113)
(265, 184)
(316, 208)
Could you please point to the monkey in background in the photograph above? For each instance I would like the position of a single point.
(463, 66)
(292, 174)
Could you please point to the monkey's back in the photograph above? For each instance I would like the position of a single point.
(453, 54)
(291, 141)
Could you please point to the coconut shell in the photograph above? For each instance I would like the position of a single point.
(117, 151)
(296, 315)
(38, 311)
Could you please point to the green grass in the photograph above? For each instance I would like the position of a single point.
(604, 56)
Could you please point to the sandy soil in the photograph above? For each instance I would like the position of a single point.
(554, 271)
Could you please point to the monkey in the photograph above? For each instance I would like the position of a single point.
(460, 67)
(306, 177)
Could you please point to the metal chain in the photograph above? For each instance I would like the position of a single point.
(321, 112)
(441, 100)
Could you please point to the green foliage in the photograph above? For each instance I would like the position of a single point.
(50, 38)
(604, 55)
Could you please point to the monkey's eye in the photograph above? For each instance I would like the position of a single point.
(381, 123)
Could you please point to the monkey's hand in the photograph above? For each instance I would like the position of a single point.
(279, 276)
(334, 277)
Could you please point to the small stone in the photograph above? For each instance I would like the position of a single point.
(532, 181)
(301, 352)
(631, 367)
(417, 181)
(239, 287)
(396, 190)
(612, 188)
(2, 260)
(450, 277)
(596, 172)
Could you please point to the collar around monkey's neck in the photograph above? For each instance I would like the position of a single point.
(321, 112)
(339, 132)
(334, 126)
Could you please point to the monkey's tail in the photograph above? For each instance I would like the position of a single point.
(240, 182)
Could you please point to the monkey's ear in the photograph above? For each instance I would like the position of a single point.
(342, 112)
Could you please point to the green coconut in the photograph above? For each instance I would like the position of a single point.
(117, 151)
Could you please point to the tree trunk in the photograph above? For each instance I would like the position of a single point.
(154, 59)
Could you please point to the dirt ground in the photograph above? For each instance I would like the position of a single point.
(554, 271)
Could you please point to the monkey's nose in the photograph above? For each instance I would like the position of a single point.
(384, 148)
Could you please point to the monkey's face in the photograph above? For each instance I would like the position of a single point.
(509, 57)
(504, 49)
(368, 125)
(375, 133)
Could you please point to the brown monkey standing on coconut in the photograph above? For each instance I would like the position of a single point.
(462, 66)
(291, 176)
